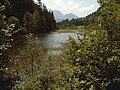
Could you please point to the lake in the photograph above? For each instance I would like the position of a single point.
(45, 40)
(55, 39)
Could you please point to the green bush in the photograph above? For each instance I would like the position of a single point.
(36, 67)
(6, 80)
(97, 67)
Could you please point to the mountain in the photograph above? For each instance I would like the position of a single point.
(60, 17)
(70, 16)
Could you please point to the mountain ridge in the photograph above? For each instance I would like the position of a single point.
(60, 17)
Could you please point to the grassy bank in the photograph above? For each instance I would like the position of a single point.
(75, 29)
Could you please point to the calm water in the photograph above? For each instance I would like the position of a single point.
(46, 40)
(54, 40)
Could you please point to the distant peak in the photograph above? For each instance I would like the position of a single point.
(60, 17)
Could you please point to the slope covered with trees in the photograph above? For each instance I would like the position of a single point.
(31, 17)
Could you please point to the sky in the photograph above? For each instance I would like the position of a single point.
(81, 8)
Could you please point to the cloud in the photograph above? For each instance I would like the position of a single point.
(77, 8)
(72, 6)
(58, 3)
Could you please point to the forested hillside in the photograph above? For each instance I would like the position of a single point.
(28, 16)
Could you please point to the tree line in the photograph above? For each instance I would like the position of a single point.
(28, 16)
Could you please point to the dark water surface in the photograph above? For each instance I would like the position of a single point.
(54, 40)
(46, 40)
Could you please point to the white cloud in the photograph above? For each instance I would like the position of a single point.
(71, 6)
(77, 8)
(58, 3)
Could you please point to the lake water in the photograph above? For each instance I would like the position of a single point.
(55, 39)
(46, 40)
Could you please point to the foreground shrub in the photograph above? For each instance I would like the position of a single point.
(97, 67)
(35, 68)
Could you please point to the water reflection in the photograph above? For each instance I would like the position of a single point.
(46, 40)
(54, 40)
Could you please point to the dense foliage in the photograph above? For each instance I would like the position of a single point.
(27, 12)
(6, 80)
(97, 66)
(36, 67)
(71, 23)
(96, 58)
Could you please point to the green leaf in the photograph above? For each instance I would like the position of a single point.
(2, 8)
